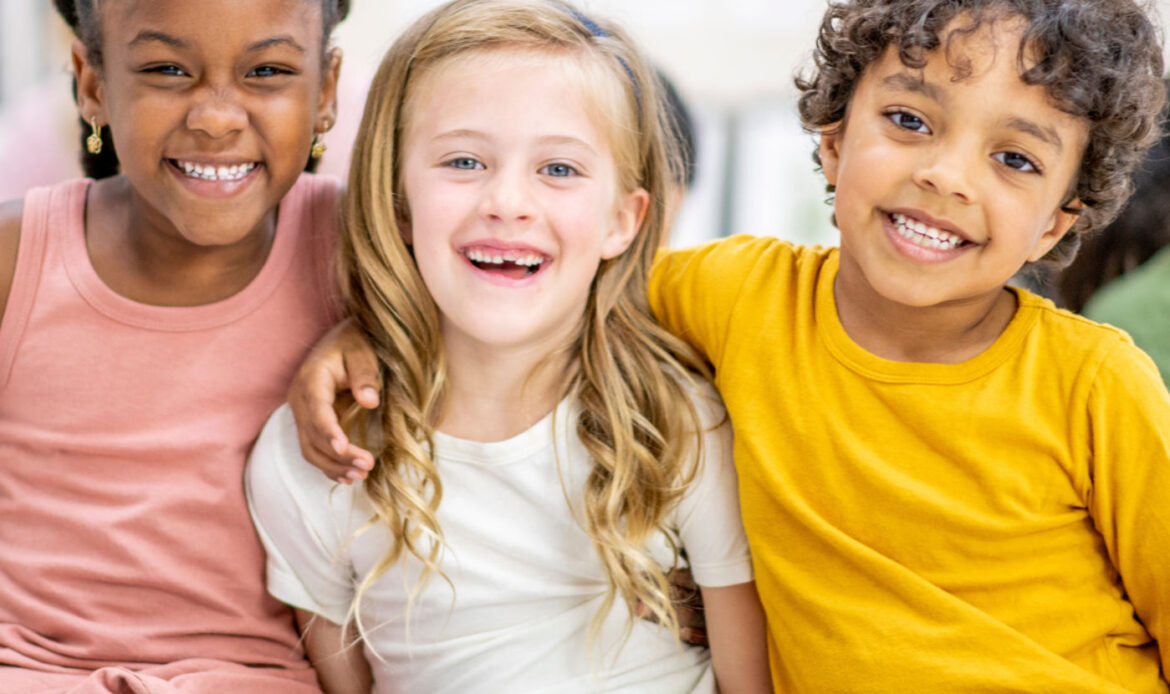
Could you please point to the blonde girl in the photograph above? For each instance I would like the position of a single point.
(544, 449)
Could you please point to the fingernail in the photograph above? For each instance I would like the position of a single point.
(338, 446)
(369, 394)
(354, 475)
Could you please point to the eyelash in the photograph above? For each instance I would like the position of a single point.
(264, 71)
(571, 171)
(476, 165)
(896, 116)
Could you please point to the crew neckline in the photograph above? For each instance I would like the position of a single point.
(523, 446)
(869, 365)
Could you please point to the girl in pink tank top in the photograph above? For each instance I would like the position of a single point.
(149, 323)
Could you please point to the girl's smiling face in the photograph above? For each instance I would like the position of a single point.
(212, 106)
(946, 185)
(513, 196)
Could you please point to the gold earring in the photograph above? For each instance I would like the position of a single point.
(318, 148)
(93, 143)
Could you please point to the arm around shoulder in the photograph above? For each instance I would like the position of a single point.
(10, 216)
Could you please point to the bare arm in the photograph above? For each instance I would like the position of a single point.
(10, 215)
(737, 632)
(342, 360)
(341, 666)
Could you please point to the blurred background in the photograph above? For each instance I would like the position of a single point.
(732, 62)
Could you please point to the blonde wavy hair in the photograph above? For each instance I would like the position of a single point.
(630, 377)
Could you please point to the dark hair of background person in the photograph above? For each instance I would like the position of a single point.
(1140, 231)
(683, 127)
(105, 165)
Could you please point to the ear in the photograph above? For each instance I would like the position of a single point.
(91, 97)
(1058, 226)
(830, 151)
(327, 101)
(631, 212)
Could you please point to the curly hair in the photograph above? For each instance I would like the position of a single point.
(627, 374)
(83, 18)
(1100, 60)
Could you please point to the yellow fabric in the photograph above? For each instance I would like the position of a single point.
(1000, 525)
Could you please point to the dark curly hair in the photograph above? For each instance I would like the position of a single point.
(1097, 59)
(82, 18)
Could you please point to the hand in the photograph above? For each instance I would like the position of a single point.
(688, 607)
(341, 361)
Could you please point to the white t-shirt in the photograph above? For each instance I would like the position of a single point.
(526, 581)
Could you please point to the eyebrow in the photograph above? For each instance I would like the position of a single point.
(544, 140)
(282, 40)
(149, 35)
(906, 82)
(1044, 134)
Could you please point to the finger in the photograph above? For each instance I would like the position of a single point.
(323, 460)
(362, 372)
(695, 637)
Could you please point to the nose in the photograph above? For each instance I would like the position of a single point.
(217, 113)
(948, 169)
(508, 196)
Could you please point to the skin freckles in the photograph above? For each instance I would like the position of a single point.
(946, 186)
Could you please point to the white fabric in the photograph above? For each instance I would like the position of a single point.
(526, 579)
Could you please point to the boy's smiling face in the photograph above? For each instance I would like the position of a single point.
(946, 184)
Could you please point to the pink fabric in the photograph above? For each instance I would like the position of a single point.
(125, 540)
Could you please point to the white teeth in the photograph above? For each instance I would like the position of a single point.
(213, 173)
(926, 236)
(516, 258)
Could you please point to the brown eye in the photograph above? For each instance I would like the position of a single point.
(908, 121)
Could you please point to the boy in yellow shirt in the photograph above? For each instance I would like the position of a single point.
(949, 485)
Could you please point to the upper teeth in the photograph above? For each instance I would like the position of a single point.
(217, 173)
(501, 257)
(922, 235)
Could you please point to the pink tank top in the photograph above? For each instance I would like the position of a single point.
(124, 534)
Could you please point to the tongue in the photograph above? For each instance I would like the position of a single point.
(509, 270)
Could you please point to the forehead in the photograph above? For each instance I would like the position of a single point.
(544, 88)
(211, 22)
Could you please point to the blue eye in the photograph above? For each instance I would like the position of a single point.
(465, 164)
(558, 170)
(1017, 161)
(908, 121)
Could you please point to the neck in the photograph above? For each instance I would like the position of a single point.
(140, 255)
(496, 393)
(948, 333)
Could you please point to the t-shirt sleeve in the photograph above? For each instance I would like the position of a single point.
(707, 518)
(693, 291)
(295, 509)
(1129, 416)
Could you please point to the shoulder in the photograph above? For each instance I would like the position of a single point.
(11, 213)
(278, 474)
(1092, 353)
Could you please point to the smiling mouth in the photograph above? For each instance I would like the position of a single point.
(207, 172)
(925, 235)
(511, 264)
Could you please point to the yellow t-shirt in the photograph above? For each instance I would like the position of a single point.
(999, 525)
